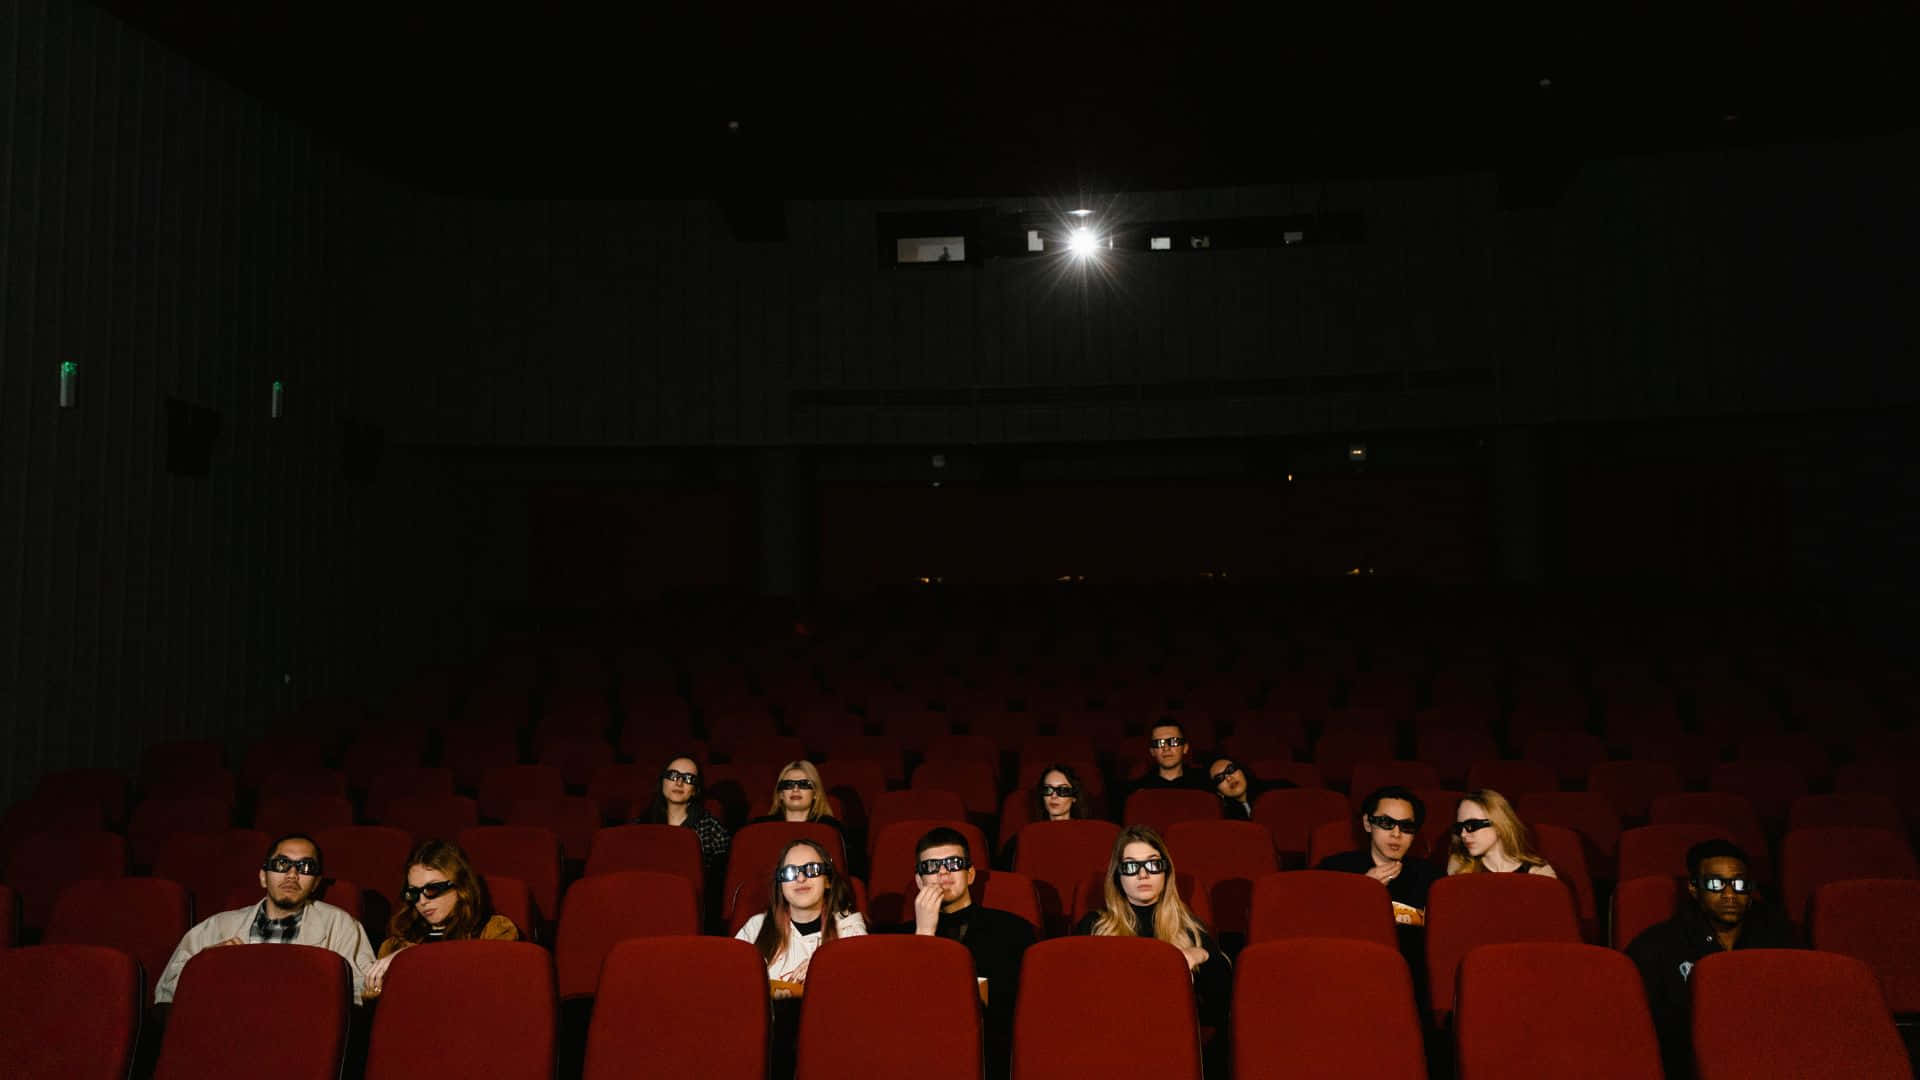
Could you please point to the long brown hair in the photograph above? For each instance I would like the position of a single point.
(1172, 922)
(1515, 839)
(772, 938)
(470, 912)
(1038, 807)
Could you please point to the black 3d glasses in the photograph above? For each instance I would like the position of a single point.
(674, 776)
(1130, 867)
(1061, 791)
(1471, 825)
(956, 863)
(280, 864)
(1739, 885)
(432, 890)
(796, 872)
(1405, 825)
(795, 785)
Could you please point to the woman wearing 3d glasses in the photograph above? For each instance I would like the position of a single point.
(1488, 837)
(1141, 901)
(799, 795)
(677, 802)
(811, 905)
(443, 900)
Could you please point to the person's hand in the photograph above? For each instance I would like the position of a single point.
(231, 941)
(1195, 957)
(926, 909)
(1384, 874)
(377, 974)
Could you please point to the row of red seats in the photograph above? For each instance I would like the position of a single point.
(900, 1005)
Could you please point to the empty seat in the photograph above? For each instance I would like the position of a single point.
(667, 849)
(1337, 752)
(1661, 850)
(1058, 855)
(431, 817)
(1588, 813)
(309, 782)
(1065, 1024)
(43, 864)
(405, 782)
(606, 909)
(23, 819)
(279, 816)
(891, 1005)
(1791, 1013)
(1810, 858)
(1805, 752)
(477, 752)
(1512, 778)
(1161, 808)
(913, 805)
(1321, 904)
(1771, 786)
(716, 1001)
(573, 818)
(576, 756)
(1229, 856)
(1310, 1001)
(1453, 752)
(211, 866)
(972, 780)
(1567, 852)
(1552, 1009)
(1369, 776)
(504, 785)
(1845, 808)
(528, 853)
(1631, 786)
(1469, 910)
(1291, 815)
(1643, 902)
(105, 788)
(1871, 919)
(1729, 810)
(143, 916)
(1004, 890)
(374, 752)
(1570, 754)
(372, 856)
(501, 1024)
(72, 1011)
(292, 755)
(1332, 838)
(236, 1008)
(154, 820)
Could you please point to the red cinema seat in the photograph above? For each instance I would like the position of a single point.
(1058, 855)
(576, 756)
(1631, 786)
(235, 1008)
(606, 909)
(432, 817)
(1511, 778)
(143, 916)
(161, 760)
(1229, 856)
(1803, 751)
(1453, 752)
(1469, 910)
(1321, 904)
(973, 781)
(72, 1011)
(502, 1023)
(1065, 1014)
(1661, 850)
(1337, 752)
(573, 818)
(303, 783)
(1370, 776)
(913, 805)
(668, 849)
(1332, 838)
(504, 785)
(1641, 903)
(1009, 891)
(1160, 809)
(282, 815)
(716, 1001)
(106, 788)
(511, 897)
(1588, 813)
(891, 1005)
(1309, 1001)
(290, 755)
(374, 857)
(375, 752)
(1771, 786)
(1564, 849)
(1291, 815)
(750, 862)
(406, 782)
(1845, 808)
(154, 820)
(211, 866)
(1792, 1013)
(1512, 1018)
(1871, 919)
(1810, 858)
(44, 864)
(1570, 754)
(1732, 812)
(523, 852)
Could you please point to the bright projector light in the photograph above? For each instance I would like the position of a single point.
(1082, 242)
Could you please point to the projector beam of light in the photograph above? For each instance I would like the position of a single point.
(1082, 243)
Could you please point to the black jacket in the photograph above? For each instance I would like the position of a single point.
(1409, 888)
(1190, 778)
(1666, 954)
(1212, 980)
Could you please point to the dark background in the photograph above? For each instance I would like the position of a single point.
(1649, 323)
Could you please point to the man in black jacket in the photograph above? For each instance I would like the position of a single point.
(1390, 818)
(1167, 750)
(944, 907)
(1720, 915)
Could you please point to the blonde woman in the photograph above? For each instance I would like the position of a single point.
(1141, 900)
(1489, 838)
(800, 795)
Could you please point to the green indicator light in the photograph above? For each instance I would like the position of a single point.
(68, 367)
(278, 385)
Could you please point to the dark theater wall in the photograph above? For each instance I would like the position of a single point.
(174, 239)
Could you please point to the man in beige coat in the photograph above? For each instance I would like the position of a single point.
(287, 915)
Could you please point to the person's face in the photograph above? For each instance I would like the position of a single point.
(438, 910)
(1059, 807)
(804, 893)
(793, 796)
(1161, 746)
(1725, 908)
(953, 883)
(1142, 888)
(1391, 843)
(678, 791)
(1228, 779)
(292, 888)
(1480, 841)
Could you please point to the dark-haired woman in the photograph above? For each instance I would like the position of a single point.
(443, 900)
(1057, 796)
(1141, 901)
(677, 802)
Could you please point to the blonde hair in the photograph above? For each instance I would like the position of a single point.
(1515, 840)
(819, 808)
(1172, 922)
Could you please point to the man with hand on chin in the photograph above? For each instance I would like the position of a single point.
(1390, 818)
(944, 907)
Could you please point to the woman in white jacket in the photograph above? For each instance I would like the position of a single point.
(811, 904)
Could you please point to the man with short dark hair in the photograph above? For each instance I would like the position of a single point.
(1238, 788)
(944, 907)
(1391, 817)
(1167, 750)
(1721, 914)
(290, 874)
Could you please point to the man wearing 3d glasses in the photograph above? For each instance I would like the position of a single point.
(1391, 818)
(944, 907)
(290, 874)
(1167, 750)
(1722, 913)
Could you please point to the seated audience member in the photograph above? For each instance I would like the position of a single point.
(288, 914)
(944, 907)
(677, 803)
(811, 904)
(1141, 901)
(1167, 750)
(1488, 837)
(1238, 788)
(800, 795)
(1391, 818)
(1722, 913)
(1057, 796)
(443, 900)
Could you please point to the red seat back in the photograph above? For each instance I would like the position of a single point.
(1321, 904)
(1812, 857)
(972, 780)
(1162, 808)
(668, 849)
(913, 805)
(501, 1024)
(606, 909)
(71, 1011)
(1631, 786)
(890, 1005)
(1845, 808)
(1065, 1012)
(1566, 853)
(1512, 1017)
(1661, 850)
(1791, 1012)
(309, 814)
(573, 818)
(1337, 752)
(372, 856)
(43, 864)
(212, 866)
(1512, 778)
(1729, 810)
(1470, 910)
(235, 1008)
(155, 819)
(1771, 786)
(1871, 919)
(1570, 754)
(503, 785)
(526, 852)
(1009, 891)
(1291, 815)
(716, 1001)
(1058, 855)
(143, 916)
(1309, 1001)
(1643, 902)
(105, 788)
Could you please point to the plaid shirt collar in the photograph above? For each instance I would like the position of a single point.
(277, 931)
